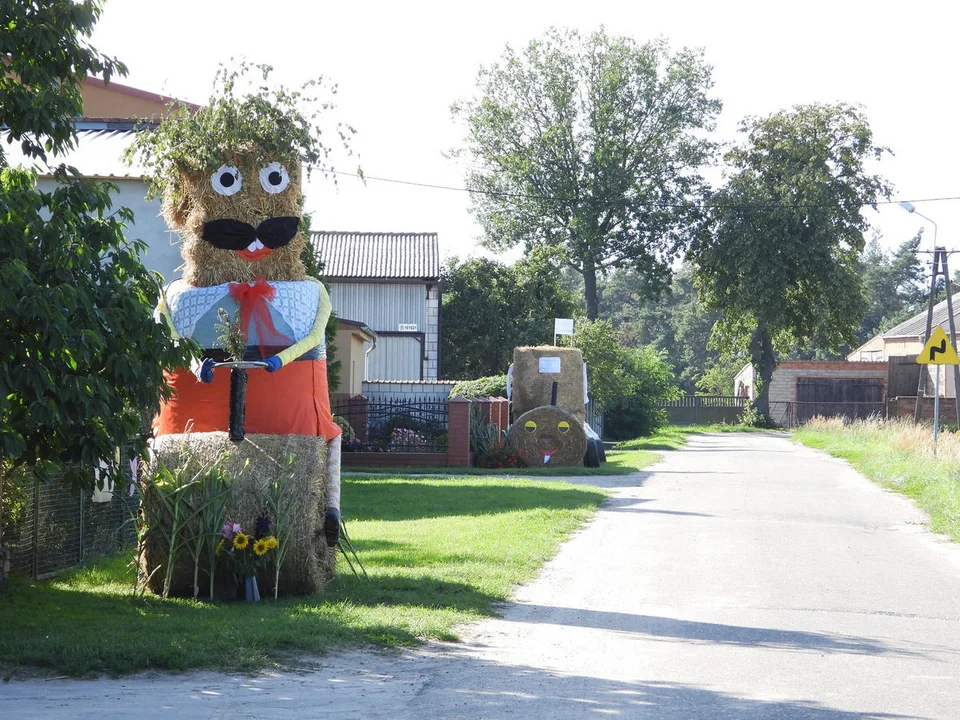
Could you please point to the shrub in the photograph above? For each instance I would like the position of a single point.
(500, 456)
(483, 434)
(492, 386)
(348, 433)
(638, 413)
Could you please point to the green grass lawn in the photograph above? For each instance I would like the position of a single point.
(439, 551)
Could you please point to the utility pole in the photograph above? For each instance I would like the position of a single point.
(939, 268)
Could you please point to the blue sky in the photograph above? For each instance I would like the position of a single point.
(399, 66)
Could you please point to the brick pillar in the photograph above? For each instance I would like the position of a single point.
(501, 414)
(458, 438)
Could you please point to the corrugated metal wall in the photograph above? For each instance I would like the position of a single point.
(381, 306)
(396, 358)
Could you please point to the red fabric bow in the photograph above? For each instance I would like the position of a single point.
(252, 298)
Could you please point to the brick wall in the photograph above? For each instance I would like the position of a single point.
(783, 385)
(906, 406)
(458, 438)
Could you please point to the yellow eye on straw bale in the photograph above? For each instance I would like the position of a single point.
(549, 436)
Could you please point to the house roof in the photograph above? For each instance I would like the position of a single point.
(916, 326)
(370, 255)
(98, 152)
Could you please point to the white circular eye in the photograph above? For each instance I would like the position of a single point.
(226, 180)
(274, 178)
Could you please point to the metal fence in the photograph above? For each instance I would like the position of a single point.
(794, 414)
(594, 417)
(49, 527)
(396, 425)
(704, 409)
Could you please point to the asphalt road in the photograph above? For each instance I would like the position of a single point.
(742, 577)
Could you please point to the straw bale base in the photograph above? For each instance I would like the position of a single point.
(253, 464)
(549, 437)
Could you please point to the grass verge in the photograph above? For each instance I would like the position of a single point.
(899, 455)
(438, 551)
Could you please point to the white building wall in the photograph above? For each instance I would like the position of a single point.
(381, 306)
(163, 245)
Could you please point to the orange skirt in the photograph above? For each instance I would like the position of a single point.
(292, 401)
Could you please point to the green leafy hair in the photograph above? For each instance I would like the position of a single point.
(269, 123)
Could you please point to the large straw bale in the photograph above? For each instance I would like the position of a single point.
(194, 202)
(253, 464)
(532, 388)
(549, 436)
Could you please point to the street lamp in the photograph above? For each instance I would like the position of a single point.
(908, 206)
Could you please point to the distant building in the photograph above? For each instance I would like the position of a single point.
(391, 283)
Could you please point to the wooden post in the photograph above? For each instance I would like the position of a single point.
(953, 332)
(939, 268)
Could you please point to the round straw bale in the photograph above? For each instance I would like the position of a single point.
(549, 435)
(252, 466)
(535, 371)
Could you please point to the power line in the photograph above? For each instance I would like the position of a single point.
(559, 198)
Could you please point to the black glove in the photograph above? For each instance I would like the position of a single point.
(331, 526)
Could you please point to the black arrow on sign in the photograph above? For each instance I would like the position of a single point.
(941, 349)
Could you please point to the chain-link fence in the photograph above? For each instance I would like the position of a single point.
(49, 527)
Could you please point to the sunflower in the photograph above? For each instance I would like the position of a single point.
(220, 546)
(271, 542)
(240, 541)
(260, 547)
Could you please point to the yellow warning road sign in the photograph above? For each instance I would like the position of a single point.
(938, 350)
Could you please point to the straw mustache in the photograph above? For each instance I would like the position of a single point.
(228, 234)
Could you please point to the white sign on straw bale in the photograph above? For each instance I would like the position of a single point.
(549, 365)
(563, 326)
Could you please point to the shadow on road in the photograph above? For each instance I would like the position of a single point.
(497, 690)
(705, 632)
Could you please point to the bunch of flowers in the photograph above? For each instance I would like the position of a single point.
(245, 553)
(358, 445)
(500, 456)
(405, 437)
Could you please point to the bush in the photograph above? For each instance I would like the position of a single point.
(752, 417)
(500, 456)
(492, 386)
(482, 434)
(348, 433)
(639, 413)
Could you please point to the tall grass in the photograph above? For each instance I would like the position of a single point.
(898, 454)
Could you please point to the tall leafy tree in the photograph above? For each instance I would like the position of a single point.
(81, 357)
(780, 255)
(675, 323)
(627, 382)
(490, 308)
(591, 146)
(893, 285)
